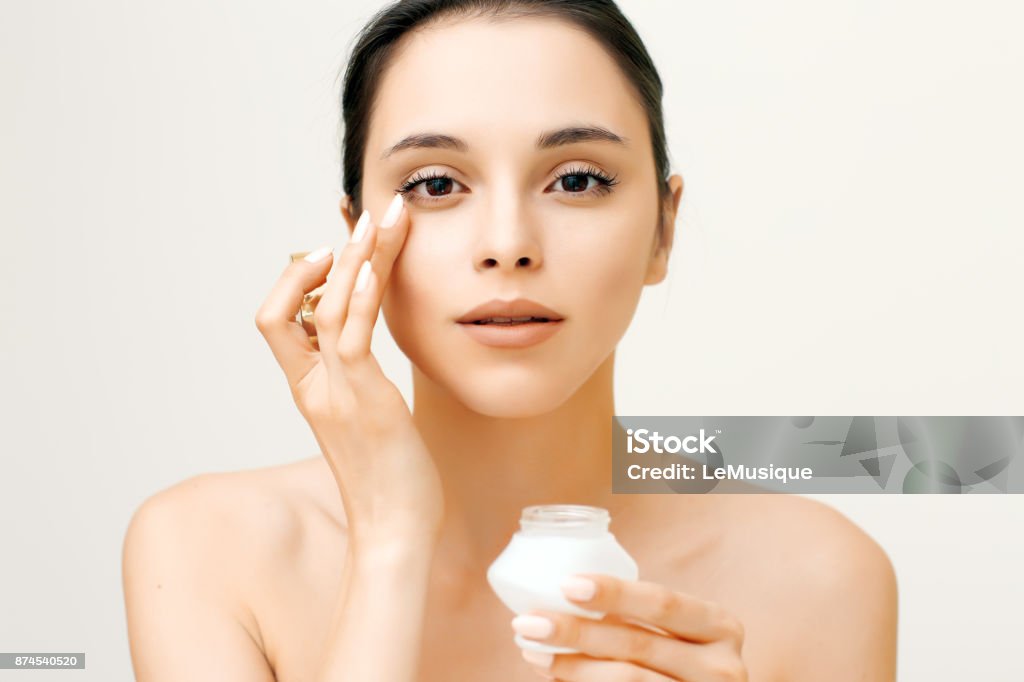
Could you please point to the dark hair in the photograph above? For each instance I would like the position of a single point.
(374, 45)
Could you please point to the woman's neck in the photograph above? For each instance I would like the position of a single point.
(493, 467)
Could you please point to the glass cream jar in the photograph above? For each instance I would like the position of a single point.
(554, 542)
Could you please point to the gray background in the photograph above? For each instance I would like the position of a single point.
(849, 243)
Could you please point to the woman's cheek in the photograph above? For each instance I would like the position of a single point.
(613, 275)
(408, 307)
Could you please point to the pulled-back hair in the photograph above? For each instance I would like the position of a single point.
(374, 45)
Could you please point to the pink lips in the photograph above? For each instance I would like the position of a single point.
(505, 335)
(512, 336)
(517, 307)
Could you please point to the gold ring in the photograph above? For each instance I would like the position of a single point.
(304, 316)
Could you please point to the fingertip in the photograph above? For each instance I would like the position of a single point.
(361, 227)
(394, 212)
(363, 277)
(318, 255)
(579, 588)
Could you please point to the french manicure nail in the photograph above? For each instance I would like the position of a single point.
(394, 210)
(534, 627)
(579, 588)
(319, 254)
(363, 278)
(361, 225)
(538, 657)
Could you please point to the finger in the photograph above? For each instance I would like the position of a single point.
(614, 618)
(354, 343)
(614, 641)
(275, 317)
(358, 363)
(331, 311)
(576, 668)
(683, 615)
(390, 239)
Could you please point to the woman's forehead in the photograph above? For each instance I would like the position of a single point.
(516, 78)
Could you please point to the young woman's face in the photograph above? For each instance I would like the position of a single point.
(496, 221)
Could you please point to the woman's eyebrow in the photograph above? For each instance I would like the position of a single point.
(546, 140)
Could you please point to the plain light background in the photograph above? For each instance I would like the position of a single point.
(850, 242)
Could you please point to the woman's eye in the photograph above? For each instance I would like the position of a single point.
(577, 183)
(584, 182)
(434, 187)
(438, 187)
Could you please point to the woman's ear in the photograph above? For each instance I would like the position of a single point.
(658, 266)
(345, 205)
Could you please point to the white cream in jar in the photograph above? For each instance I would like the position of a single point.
(554, 542)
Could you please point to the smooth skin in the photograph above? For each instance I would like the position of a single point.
(368, 561)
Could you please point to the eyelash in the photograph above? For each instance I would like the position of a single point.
(604, 187)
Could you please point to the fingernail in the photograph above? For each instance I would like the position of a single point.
(394, 210)
(363, 278)
(535, 627)
(319, 254)
(361, 225)
(579, 588)
(538, 657)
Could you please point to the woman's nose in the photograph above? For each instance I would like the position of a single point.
(507, 240)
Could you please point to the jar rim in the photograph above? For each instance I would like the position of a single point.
(565, 515)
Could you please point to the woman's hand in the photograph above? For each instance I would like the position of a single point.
(387, 478)
(691, 640)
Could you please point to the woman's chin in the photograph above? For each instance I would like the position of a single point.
(512, 399)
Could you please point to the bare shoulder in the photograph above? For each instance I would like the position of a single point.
(221, 512)
(233, 518)
(808, 540)
(182, 591)
(212, 536)
(823, 542)
(806, 514)
(838, 584)
(812, 533)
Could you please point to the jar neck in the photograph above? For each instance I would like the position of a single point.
(564, 520)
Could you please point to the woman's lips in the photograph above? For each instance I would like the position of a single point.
(512, 335)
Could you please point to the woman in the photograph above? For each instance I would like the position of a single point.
(524, 147)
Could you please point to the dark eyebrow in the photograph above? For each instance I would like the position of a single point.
(546, 140)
